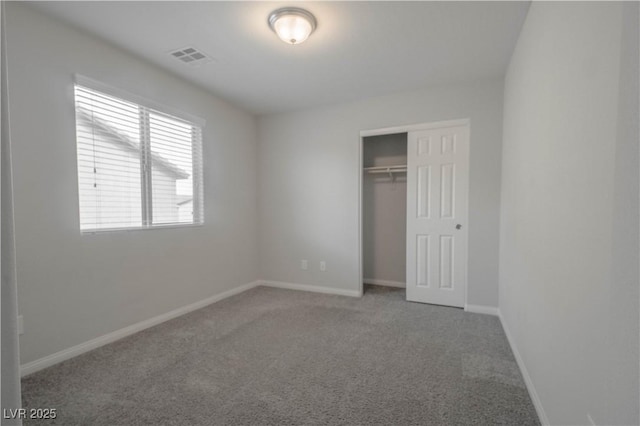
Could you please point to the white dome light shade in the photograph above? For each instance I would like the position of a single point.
(293, 25)
(292, 29)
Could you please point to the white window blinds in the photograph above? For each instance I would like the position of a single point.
(137, 167)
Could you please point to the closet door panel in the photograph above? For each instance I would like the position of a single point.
(437, 198)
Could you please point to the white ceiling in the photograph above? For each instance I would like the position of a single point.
(359, 50)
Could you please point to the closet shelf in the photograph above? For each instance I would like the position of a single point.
(388, 170)
(402, 168)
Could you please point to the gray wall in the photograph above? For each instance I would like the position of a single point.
(569, 229)
(622, 376)
(10, 355)
(384, 210)
(308, 183)
(73, 287)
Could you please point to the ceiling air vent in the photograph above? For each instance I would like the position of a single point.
(191, 56)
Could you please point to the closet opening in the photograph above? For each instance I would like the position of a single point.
(384, 212)
(413, 218)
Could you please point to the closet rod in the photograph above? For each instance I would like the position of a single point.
(390, 170)
(386, 169)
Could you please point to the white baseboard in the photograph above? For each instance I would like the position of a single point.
(542, 415)
(49, 360)
(312, 288)
(482, 309)
(385, 283)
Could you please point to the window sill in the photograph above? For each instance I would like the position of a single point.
(141, 228)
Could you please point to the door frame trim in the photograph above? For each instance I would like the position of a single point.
(404, 129)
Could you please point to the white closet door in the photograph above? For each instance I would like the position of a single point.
(437, 211)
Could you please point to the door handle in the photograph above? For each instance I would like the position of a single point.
(458, 226)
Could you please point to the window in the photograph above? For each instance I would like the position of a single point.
(138, 167)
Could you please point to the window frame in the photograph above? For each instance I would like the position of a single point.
(146, 186)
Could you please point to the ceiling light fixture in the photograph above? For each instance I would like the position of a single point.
(292, 24)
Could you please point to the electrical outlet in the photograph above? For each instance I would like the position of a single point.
(304, 264)
(20, 325)
(323, 266)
